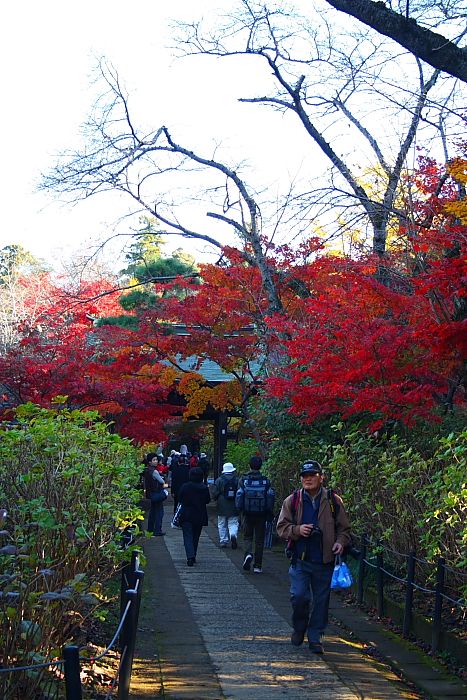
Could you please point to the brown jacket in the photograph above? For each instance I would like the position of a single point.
(288, 526)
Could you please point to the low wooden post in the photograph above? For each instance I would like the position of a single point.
(129, 630)
(380, 584)
(439, 590)
(361, 570)
(407, 623)
(73, 688)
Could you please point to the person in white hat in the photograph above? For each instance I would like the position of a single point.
(224, 490)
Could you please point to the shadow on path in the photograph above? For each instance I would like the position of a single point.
(215, 631)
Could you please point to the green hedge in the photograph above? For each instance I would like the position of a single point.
(67, 485)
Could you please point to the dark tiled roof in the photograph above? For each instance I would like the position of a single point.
(209, 369)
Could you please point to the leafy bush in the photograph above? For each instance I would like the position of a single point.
(412, 502)
(66, 483)
(240, 453)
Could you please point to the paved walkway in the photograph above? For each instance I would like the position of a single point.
(214, 631)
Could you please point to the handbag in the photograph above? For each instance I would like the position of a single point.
(176, 517)
(341, 576)
(159, 496)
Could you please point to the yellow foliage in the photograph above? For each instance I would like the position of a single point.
(458, 209)
(199, 396)
(226, 395)
(189, 383)
(168, 376)
(198, 402)
(457, 169)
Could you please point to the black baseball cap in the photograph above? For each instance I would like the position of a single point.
(311, 466)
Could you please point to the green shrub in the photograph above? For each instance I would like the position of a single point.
(240, 453)
(410, 501)
(67, 484)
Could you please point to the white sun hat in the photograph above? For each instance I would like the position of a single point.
(228, 468)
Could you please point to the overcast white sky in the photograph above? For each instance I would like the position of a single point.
(48, 51)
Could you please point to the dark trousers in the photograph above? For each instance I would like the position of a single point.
(254, 527)
(156, 513)
(310, 586)
(191, 535)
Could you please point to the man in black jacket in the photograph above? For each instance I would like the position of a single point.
(255, 500)
(194, 496)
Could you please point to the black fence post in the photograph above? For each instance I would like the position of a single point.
(361, 570)
(128, 645)
(139, 588)
(72, 673)
(407, 623)
(379, 584)
(128, 579)
(439, 590)
(124, 586)
(134, 566)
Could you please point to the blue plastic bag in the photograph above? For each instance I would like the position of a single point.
(341, 577)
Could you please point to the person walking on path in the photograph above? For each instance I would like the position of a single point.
(194, 496)
(314, 522)
(155, 492)
(224, 491)
(203, 462)
(255, 500)
(180, 469)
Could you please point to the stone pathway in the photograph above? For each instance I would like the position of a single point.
(216, 632)
(248, 642)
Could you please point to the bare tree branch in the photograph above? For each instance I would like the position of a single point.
(433, 48)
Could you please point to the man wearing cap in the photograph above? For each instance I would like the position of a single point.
(224, 490)
(317, 535)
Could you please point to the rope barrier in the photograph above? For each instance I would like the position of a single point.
(33, 667)
(114, 638)
(393, 551)
(423, 561)
(117, 674)
(373, 566)
(92, 659)
(456, 571)
(459, 602)
(396, 578)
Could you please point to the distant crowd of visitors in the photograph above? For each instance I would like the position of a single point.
(312, 520)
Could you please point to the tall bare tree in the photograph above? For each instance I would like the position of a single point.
(119, 158)
(347, 90)
(360, 104)
(409, 31)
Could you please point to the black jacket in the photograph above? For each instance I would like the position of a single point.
(180, 474)
(194, 497)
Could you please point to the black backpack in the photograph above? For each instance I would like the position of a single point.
(230, 488)
(255, 496)
(184, 460)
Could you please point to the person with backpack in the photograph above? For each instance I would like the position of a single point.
(255, 501)
(224, 492)
(314, 523)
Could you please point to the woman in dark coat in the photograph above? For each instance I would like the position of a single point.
(154, 487)
(194, 496)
